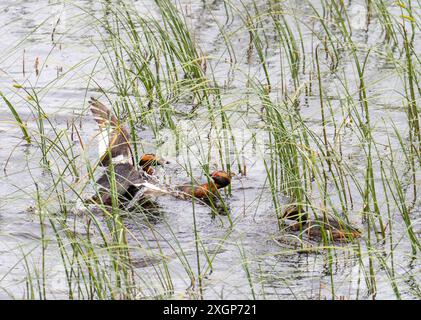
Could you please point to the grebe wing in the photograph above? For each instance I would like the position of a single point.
(114, 138)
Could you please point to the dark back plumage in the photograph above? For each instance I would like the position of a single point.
(127, 181)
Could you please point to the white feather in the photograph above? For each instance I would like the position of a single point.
(103, 142)
(152, 187)
(121, 159)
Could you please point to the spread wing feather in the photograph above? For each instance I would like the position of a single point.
(114, 135)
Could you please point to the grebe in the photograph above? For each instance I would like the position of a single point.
(204, 192)
(116, 154)
(132, 185)
(315, 228)
(221, 179)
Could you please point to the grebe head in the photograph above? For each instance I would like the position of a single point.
(221, 178)
(149, 160)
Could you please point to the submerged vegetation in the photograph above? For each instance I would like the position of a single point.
(312, 105)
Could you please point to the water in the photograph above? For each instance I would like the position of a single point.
(67, 47)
